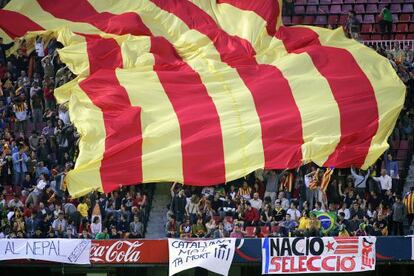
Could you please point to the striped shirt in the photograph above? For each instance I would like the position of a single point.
(409, 203)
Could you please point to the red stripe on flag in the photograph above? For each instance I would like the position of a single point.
(277, 110)
(346, 252)
(351, 89)
(201, 136)
(16, 25)
(347, 246)
(121, 163)
(83, 11)
(267, 9)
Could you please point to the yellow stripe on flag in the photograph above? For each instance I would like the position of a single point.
(161, 144)
(89, 122)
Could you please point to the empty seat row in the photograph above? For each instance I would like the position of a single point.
(328, 2)
(359, 9)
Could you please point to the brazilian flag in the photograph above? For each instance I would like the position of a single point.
(327, 220)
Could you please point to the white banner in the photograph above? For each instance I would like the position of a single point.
(214, 255)
(53, 250)
(318, 255)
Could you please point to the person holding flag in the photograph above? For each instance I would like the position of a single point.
(409, 206)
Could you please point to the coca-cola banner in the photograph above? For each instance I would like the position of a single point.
(129, 251)
(316, 255)
(52, 250)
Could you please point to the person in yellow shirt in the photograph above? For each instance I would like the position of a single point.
(304, 222)
(83, 208)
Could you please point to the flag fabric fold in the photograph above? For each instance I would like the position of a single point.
(204, 91)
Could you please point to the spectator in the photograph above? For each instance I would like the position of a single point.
(171, 227)
(237, 232)
(198, 230)
(293, 212)
(385, 22)
(251, 215)
(256, 202)
(103, 235)
(185, 229)
(178, 205)
(353, 25)
(136, 228)
(96, 226)
(3, 49)
(220, 232)
(385, 181)
(59, 225)
(83, 208)
(20, 160)
(391, 166)
(398, 214)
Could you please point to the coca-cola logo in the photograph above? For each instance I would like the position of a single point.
(115, 252)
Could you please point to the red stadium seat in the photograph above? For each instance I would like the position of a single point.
(405, 17)
(342, 19)
(250, 231)
(366, 28)
(411, 28)
(297, 20)
(265, 230)
(333, 19)
(402, 28)
(376, 37)
(410, 36)
(275, 229)
(395, 144)
(308, 20)
(365, 37)
(400, 37)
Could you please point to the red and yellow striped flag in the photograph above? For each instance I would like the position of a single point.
(206, 91)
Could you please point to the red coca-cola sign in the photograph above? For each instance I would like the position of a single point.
(129, 251)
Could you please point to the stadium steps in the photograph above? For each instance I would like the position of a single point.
(158, 214)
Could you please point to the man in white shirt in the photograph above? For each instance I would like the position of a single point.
(293, 212)
(283, 200)
(360, 181)
(256, 202)
(385, 181)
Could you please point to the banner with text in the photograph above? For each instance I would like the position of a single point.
(129, 251)
(316, 255)
(214, 255)
(53, 250)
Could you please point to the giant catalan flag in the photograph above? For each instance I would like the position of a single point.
(206, 91)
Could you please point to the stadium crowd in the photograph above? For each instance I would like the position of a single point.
(38, 145)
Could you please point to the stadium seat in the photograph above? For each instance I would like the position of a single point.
(337, 1)
(371, 8)
(275, 229)
(366, 28)
(405, 17)
(297, 20)
(335, 9)
(325, 2)
(359, 8)
(361, 1)
(395, 18)
(369, 18)
(411, 28)
(365, 36)
(311, 10)
(349, 1)
(299, 9)
(313, 2)
(287, 20)
(376, 37)
(323, 9)
(346, 8)
(395, 8)
(300, 2)
(321, 20)
(410, 37)
(402, 28)
(333, 19)
(372, 1)
(308, 20)
(250, 231)
(265, 230)
(400, 37)
(395, 144)
(408, 8)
